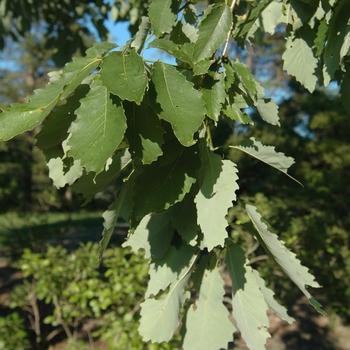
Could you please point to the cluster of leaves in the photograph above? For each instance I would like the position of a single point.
(13, 333)
(79, 292)
(111, 116)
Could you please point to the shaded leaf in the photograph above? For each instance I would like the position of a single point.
(161, 185)
(97, 130)
(181, 104)
(144, 133)
(89, 184)
(286, 259)
(124, 75)
(111, 216)
(153, 235)
(55, 128)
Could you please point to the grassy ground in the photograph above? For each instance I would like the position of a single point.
(19, 230)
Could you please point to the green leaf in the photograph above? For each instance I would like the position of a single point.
(59, 175)
(248, 304)
(160, 317)
(141, 34)
(153, 235)
(266, 107)
(163, 14)
(183, 217)
(337, 30)
(217, 191)
(160, 185)
(181, 52)
(124, 75)
(166, 270)
(26, 116)
(181, 104)
(144, 133)
(267, 155)
(111, 216)
(207, 322)
(278, 309)
(213, 92)
(55, 128)
(300, 62)
(286, 259)
(97, 130)
(212, 31)
(246, 77)
(89, 184)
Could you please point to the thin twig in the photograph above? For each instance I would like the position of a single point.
(233, 4)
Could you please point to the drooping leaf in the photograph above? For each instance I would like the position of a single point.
(267, 155)
(111, 216)
(300, 62)
(97, 130)
(248, 304)
(181, 104)
(245, 76)
(207, 323)
(298, 273)
(163, 14)
(124, 75)
(26, 116)
(144, 133)
(161, 185)
(141, 34)
(213, 92)
(153, 235)
(266, 107)
(278, 309)
(166, 270)
(89, 184)
(217, 191)
(212, 31)
(160, 317)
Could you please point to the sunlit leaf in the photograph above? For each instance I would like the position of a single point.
(298, 273)
(267, 155)
(207, 323)
(248, 304)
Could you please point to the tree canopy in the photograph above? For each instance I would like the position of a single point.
(114, 115)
